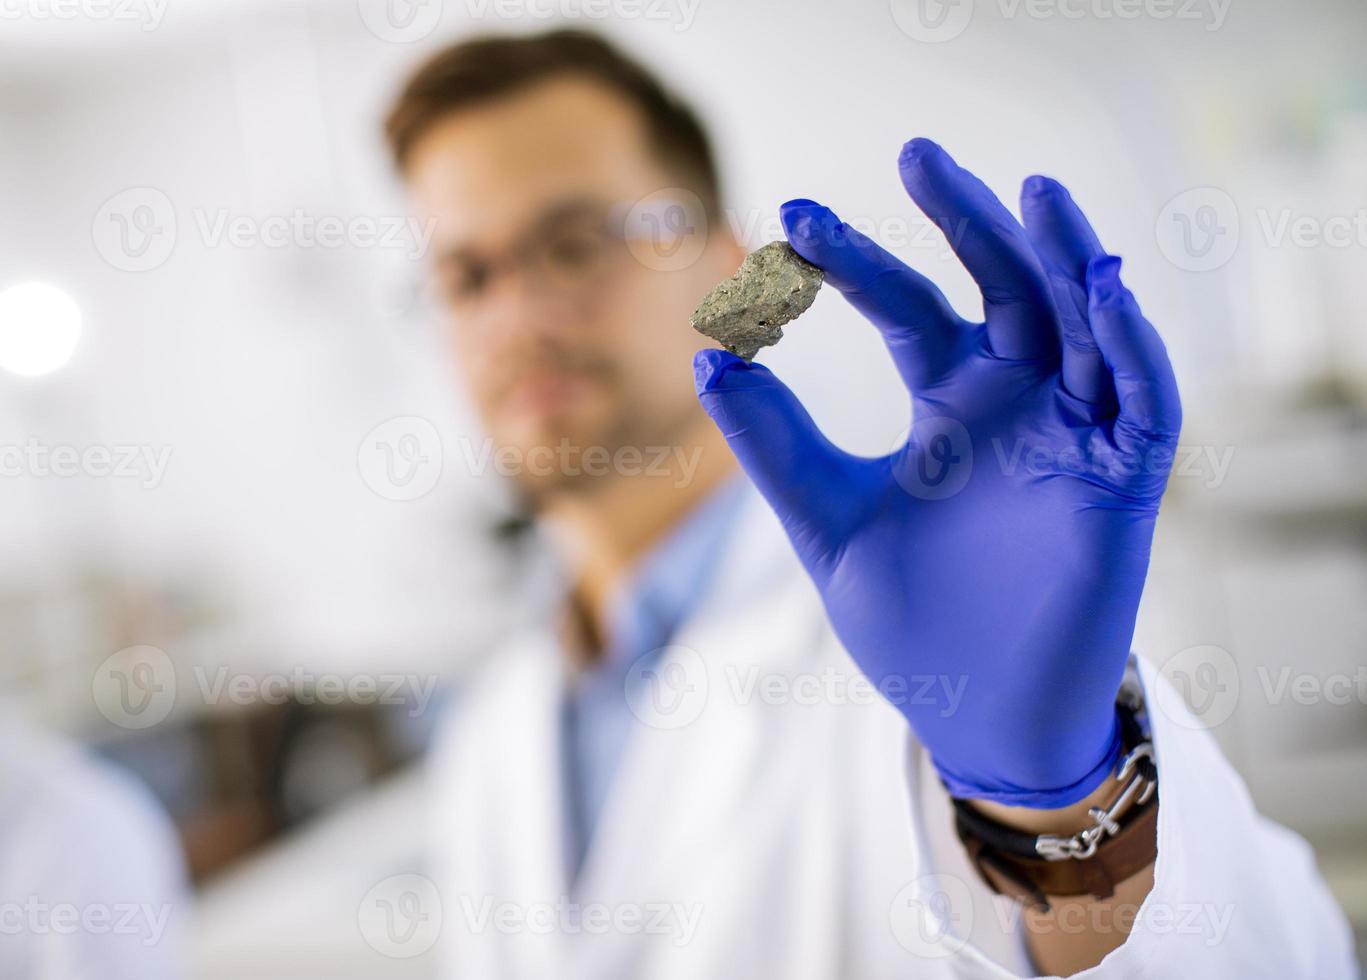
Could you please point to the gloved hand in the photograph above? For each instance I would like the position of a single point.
(1001, 551)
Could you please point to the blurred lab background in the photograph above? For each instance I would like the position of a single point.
(205, 397)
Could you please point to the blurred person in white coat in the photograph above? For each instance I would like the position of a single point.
(92, 885)
(686, 771)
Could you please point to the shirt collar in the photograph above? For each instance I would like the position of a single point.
(668, 582)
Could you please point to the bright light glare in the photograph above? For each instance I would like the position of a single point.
(39, 328)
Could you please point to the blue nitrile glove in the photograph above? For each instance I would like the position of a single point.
(1000, 554)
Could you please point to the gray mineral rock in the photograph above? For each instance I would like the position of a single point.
(746, 312)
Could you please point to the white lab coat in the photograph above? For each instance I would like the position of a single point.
(91, 880)
(754, 833)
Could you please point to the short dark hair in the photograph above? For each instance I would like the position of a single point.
(484, 68)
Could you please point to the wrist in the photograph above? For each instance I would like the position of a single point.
(1067, 819)
(1039, 854)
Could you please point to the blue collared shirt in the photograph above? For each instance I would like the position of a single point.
(643, 617)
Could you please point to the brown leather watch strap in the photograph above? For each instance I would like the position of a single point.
(1032, 880)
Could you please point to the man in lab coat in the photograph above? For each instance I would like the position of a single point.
(804, 732)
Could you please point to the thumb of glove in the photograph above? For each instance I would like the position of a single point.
(794, 466)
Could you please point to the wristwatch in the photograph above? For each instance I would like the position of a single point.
(1121, 841)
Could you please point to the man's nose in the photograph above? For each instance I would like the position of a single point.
(520, 309)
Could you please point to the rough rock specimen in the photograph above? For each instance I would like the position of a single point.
(746, 312)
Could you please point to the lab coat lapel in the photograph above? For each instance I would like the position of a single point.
(524, 791)
(682, 774)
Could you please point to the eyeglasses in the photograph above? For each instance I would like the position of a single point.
(563, 258)
(575, 249)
